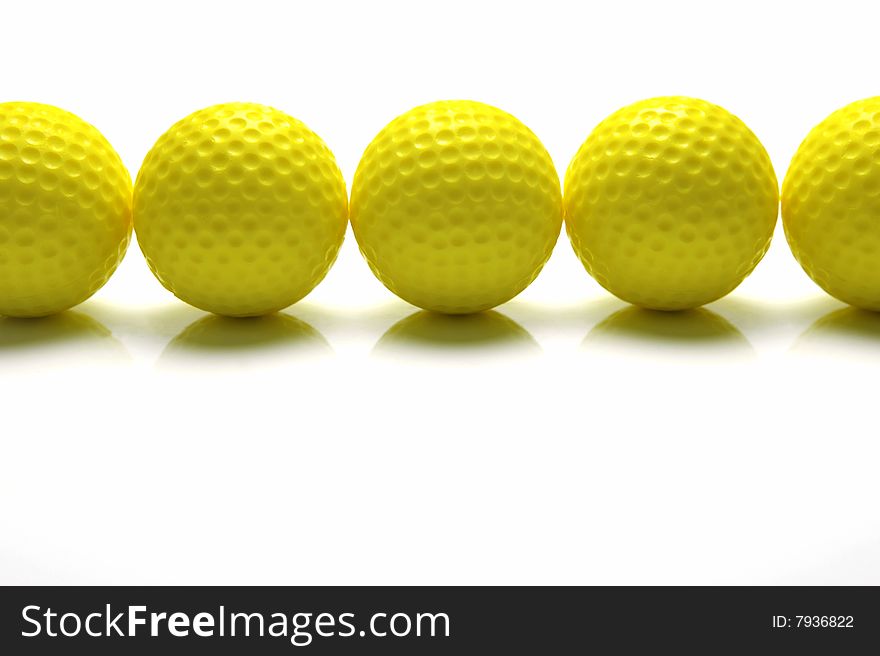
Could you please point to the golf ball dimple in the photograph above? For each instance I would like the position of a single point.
(240, 209)
(670, 203)
(456, 206)
(65, 210)
(831, 204)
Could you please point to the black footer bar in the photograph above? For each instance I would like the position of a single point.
(438, 620)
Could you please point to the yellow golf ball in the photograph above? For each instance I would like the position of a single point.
(456, 206)
(240, 209)
(670, 203)
(65, 210)
(831, 204)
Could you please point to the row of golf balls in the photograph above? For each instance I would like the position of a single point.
(240, 209)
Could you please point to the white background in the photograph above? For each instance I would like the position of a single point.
(565, 439)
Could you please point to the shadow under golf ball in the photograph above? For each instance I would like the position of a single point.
(70, 328)
(682, 330)
(216, 337)
(480, 333)
(840, 329)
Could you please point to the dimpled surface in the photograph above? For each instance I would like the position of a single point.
(671, 202)
(65, 210)
(831, 204)
(240, 209)
(456, 206)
